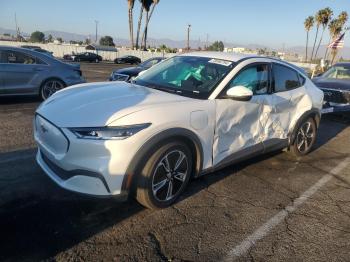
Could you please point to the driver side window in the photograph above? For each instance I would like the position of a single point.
(255, 77)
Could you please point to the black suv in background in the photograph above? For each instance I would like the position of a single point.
(128, 59)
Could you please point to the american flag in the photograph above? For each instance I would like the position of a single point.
(337, 43)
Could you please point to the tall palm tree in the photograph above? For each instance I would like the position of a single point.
(319, 20)
(343, 18)
(144, 35)
(326, 17)
(131, 23)
(139, 25)
(147, 5)
(335, 27)
(308, 24)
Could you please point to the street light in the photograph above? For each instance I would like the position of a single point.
(188, 37)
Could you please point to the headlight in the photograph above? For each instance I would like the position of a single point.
(108, 133)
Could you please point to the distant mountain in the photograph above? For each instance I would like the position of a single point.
(66, 36)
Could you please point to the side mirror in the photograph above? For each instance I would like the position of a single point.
(240, 93)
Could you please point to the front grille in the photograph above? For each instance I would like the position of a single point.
(336, 96)
(65, 175)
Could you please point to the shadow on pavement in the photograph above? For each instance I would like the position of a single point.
(44, 220)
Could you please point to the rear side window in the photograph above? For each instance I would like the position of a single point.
(14, 57)
(284, 78)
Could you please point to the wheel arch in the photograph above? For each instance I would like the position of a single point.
(313, 113)
(143, 154)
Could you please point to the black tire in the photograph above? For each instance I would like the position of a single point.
(56, 85)
(304, 138)
(158, 187)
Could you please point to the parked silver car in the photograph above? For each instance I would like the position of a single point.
(27, 72)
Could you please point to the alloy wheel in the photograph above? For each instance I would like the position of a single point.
(51, 87)
(305, 137)
(170, 175)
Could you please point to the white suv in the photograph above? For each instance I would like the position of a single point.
(184, 117)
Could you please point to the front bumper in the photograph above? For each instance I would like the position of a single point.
(85, 166)
(336, 96)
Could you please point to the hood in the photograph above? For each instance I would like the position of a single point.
(99, 104)
(339, 84)
(131, 71)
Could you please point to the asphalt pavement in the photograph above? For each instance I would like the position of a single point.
(271, 208)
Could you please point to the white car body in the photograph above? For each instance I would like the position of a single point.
(221, 131)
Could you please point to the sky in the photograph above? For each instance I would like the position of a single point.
(272, 23)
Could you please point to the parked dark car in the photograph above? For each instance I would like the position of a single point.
(38, 49)
(127, 74)
(27, 72)
(128, 59)
(84, 57)
(335, 83)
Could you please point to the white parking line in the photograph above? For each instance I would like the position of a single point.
(262, 231)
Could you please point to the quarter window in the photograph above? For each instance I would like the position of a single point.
(284, 78)
(256, 78)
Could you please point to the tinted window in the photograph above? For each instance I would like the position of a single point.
(13, 57)
(256, 78)
(285, 78)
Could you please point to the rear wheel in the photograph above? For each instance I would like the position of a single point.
(305, 138)
(49, 87)
(164, 176)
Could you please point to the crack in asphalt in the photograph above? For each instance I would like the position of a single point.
(156, 244)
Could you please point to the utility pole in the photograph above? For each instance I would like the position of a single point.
(96, 24)
(207, 43)
(188, 37)
(17, 29)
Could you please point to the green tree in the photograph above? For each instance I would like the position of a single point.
(327, 14)
(37, 37)
(107, 41)
(49, 38)
(131, 22)
(217, 46)
(59, 39)
(87, 41)
(308, 24)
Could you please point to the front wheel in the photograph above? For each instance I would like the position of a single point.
(49, 87)
(305, 138)
(164, 176)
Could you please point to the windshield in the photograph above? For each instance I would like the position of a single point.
(338, 72)
(186, 75)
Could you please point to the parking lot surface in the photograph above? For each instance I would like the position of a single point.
(271, 208)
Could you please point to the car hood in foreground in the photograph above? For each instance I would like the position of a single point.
(332, 83)
(99, 104)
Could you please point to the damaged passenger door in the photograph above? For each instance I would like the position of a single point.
(283, 107)
(238, 129)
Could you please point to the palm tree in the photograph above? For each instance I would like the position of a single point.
(343, 18)
(326, 17)
(131, 23)
(139, 24)
(144, 35)
(308, 24)
(147, 5)
(319, 20)
(335, 27)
